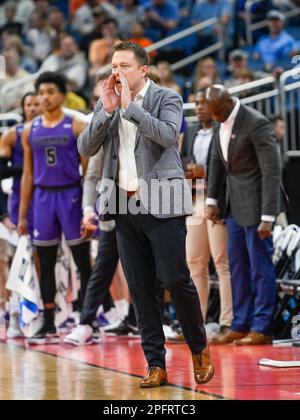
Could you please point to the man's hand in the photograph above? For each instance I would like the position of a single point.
(126, 93)
(265, 230)
(9, 224)
(111, 101)
(88, 226)
(22, 227)
(212, 213)
(195, 171)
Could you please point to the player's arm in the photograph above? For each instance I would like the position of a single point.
(7, 143)
(27, 181)
(78, 127)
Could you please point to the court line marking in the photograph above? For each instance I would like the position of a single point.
(182, 387)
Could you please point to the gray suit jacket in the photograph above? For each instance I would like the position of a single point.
(252, 170)
(163, 189)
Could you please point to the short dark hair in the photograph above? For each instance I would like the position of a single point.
(56, 79)
(276, 118)
(27, 95)
(200, 90)
(139, 52)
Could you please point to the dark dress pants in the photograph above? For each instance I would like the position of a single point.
(150, 249)
(101, 277)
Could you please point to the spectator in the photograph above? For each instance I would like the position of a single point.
(28, 63)
(69, 61)
(38, 37)
(73, 100)
(14, 72)
(56, 22)
(41, 5)
(101, 50)
(24, 11)
(208, 9)
(206, 75)
(161, 17)
(276, 46)
(138, 36)
(84, 21)
(100, 16)
(207, 67)
(238, 63)
(130, 13)
(167, 77)
(11, 25)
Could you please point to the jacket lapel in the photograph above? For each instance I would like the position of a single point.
(114, 130)
(235, 131)
(148, 105)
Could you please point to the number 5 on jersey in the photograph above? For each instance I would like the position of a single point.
(51, 156)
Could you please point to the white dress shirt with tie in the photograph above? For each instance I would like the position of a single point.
(225, 138)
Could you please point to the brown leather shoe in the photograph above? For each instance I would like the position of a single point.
(204, 369)
(254, 339)
(228, 338)
(156, 377)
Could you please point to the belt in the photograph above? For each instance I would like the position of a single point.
(129, 194)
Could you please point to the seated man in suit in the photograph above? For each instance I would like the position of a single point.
(245, 151)
(204, 239)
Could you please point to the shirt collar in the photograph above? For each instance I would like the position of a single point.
(234, 113)
(143, 92)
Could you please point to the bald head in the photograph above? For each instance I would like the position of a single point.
(219, 102)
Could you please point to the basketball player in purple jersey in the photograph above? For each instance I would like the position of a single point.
(11, 150)
(52, 171)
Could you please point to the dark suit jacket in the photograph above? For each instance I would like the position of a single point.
(252, 170)
(187, 150)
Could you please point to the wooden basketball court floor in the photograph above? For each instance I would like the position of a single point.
(111, 371)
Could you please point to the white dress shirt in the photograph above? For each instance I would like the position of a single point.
(226, 130)
(202, 145)
(128, 178)
(225, 138)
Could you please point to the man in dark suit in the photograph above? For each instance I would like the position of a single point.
(245, 150)
(204, 239)
(138, 124)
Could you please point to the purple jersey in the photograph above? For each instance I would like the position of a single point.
(17, 158)
(55, 156)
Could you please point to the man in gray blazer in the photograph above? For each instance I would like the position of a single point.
(245, 151)
(145, 191)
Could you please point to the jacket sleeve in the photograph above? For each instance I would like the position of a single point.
(216, 172)
(163, 130)
(93, 136)
(268, 159)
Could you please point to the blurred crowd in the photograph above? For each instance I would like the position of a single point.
(76, 38)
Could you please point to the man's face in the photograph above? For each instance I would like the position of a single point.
(110, 30)
(279, 130)
(68, 47)
(238, 64)
(51, 97)
(201, 109)
(275, 26)
(219, 110)
(32, 107)
(126, 62)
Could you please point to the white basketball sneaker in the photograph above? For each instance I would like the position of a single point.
(13, 330)
(80, 336)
